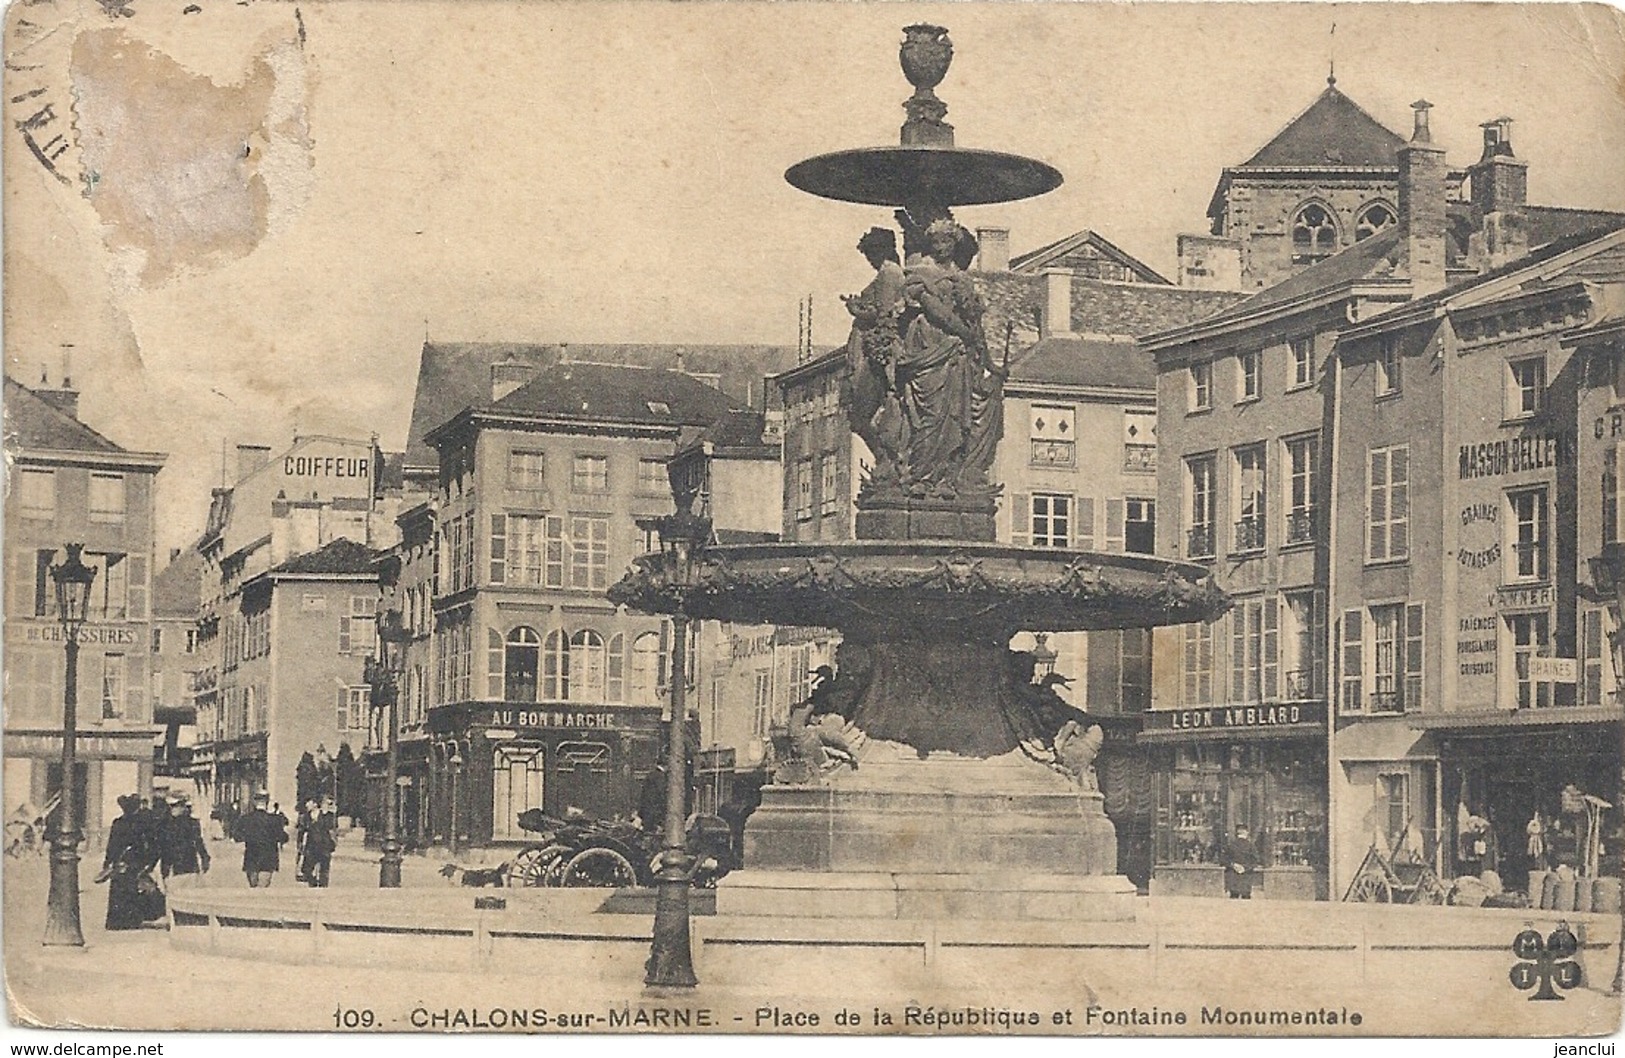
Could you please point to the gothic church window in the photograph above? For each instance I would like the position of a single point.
(1314, 234)
(1372, 219)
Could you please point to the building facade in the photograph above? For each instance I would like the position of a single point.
(69, 484)
(1395, 547)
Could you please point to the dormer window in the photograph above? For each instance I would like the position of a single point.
(1372, 219)
(658, 407)
(1314, 234)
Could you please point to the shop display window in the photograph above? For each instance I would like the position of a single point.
(1278, 791)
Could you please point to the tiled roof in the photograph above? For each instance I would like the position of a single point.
(32, 422)
(339, 556)
(1070, 360)
(1376, 256)
(645, 395)
(738, 428)
(1334, 132)
(1098, 307)
(1547, 223)
(455, 375)
(177, 588)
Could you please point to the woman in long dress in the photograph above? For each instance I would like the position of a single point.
(128, 846)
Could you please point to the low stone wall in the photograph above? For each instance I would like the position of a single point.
(1278, 945)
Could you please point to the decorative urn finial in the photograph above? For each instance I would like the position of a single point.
(925, 54)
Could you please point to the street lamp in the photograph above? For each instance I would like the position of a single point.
(1044, 655)
(72, 579)
(671, 962)
(384, 675)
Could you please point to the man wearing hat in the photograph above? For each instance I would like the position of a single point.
(262, 835)
(183, 857)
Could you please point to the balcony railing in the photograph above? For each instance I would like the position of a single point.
(1387, 702)
(1199, 542)
(1300, 526)
(1250, 534)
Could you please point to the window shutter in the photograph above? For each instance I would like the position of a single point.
(499, 548)
(1352, 661)
(136, 591)
(616, 674)
(344, 635)
(1083, 523)
(493, 664)
(1238, 650)
(1021, 518)
(1377, 513)
(1272, 650)
(1413, 656)
(1114, 525)
(1399, 508)
(344, 709)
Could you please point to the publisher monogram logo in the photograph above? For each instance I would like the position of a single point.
(1548, 962)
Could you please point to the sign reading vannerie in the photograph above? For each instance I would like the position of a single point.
(1232, 717)
(1514, 455)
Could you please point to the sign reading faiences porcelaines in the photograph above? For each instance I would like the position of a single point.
(1108, 581)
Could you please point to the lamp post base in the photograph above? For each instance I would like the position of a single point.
(389, 867)
(62, 911)
(671, 962)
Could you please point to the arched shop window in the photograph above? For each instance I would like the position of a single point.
(1314, 234)
(1371, 220)
(520, 657)
(516, 785)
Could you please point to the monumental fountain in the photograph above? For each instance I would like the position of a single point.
(971, 796)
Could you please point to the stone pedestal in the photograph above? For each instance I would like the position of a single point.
(891, 515)
(935, 837)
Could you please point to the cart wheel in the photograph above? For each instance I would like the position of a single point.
(1370, 888)
(1429, 890)
(530, 867)
(599, 867)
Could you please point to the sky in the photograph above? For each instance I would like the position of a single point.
(267, 206)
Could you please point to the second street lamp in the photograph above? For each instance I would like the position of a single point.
(73, 580)
(671, 961)
(385, 678)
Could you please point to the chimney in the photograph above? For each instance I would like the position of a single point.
(994, 252)
(1500, 186)
(1056, 317)
(250, 458)
(1421, 206)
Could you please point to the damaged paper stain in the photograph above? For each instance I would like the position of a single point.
(185, 173)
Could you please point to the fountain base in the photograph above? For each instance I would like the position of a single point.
(942, 836)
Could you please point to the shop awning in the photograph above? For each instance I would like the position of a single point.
(1505, 718)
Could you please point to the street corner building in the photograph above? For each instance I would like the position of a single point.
(1401, 460)
(69, 484)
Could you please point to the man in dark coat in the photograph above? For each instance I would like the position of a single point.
(1240, 865)
(262, 835)
(321, 838)
(183, 856)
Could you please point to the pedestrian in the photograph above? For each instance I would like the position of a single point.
(133, 897)
(1241, 865)
(183, 856)
(301, 841)
(321, 839)
(262, 835)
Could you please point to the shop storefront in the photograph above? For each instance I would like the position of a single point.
(1524, 792)
(239, 770)
(1128, 784)
(488, 762)
(1259, 766)
(111, 763)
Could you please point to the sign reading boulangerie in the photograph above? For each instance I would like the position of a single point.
(419, 386)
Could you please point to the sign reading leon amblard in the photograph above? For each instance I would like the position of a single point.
(1232, 717)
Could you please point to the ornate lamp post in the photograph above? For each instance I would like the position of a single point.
(1044, 655)
(73, 580)
(671, 962)
(384, 675)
